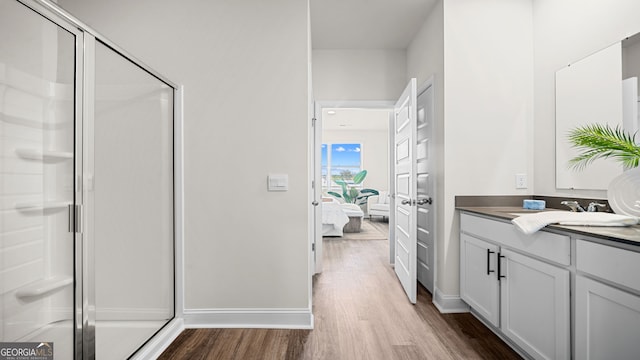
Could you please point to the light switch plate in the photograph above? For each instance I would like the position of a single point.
(278, 182)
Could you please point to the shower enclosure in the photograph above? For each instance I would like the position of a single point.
(86, 189)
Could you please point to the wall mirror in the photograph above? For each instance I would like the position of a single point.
(600, 88)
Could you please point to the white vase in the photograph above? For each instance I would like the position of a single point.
(623, 193)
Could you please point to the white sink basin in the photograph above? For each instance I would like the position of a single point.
(582, 218)
(520, 213)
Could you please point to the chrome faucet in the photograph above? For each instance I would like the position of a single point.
(576, 207)
(593, 206)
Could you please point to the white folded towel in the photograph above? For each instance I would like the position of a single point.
(530, 223)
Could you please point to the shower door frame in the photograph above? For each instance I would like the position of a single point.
(74, 224)
(84, 269)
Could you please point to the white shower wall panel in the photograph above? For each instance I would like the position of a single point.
(16, 137)
(21, 318)
(15, 220)
(17, 277)
(21, 184)
(36, 117)
(17, 237)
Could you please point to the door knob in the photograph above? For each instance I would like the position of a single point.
(425, 201)
(406, 202)
(314, 203)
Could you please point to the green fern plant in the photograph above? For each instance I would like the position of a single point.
(601, 141)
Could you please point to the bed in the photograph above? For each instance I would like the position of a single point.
(333, 218)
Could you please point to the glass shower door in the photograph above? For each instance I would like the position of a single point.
(83, 131)
(37, 180)
(130, 200)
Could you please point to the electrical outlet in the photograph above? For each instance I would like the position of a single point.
(521, 181)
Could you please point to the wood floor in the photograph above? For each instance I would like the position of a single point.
(361, 312)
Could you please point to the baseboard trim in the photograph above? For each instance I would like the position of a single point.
(161, 341)
(448, 304)
(249, 318)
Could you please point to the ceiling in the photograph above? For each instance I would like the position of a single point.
(355, 119)
(366, 24)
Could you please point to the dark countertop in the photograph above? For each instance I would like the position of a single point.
(628, 235)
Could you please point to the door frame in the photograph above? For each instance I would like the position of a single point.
(315, 169)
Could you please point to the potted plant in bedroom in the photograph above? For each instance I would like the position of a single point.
(352, 195)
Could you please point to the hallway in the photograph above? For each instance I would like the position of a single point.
(361, 312)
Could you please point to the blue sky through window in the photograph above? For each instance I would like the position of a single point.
(344, 156)
(341, 161)
(323, 152)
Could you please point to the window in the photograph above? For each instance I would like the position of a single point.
(340, 162)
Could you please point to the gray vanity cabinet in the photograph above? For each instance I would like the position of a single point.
(518, 284)
(479, 287)
(607, 302)
(534, 305)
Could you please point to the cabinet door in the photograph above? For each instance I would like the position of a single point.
(535, 306)
(607, 322)
(479, 287)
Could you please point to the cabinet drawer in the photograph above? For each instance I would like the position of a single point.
(553, 247)
(610, 263)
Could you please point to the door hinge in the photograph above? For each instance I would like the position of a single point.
(313, 121)
(313, 247)
(313, 184)
(75, 218)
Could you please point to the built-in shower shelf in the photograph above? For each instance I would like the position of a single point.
(44, 286)
(35, 154)
(47, 205)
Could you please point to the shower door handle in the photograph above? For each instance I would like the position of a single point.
(72, 218)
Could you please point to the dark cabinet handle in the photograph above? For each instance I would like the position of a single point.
(489, 252)
(500, 276)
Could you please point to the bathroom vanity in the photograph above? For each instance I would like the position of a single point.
(561, 293)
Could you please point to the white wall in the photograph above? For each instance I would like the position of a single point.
(566, 31)
(481, 57)
(375, 153)
(425, 59)
(244, 69)
(488, 103)
(358, 74)
(425, 54)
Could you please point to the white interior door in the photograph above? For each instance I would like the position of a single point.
(317, 188)
(404, 170)
(425, 187)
